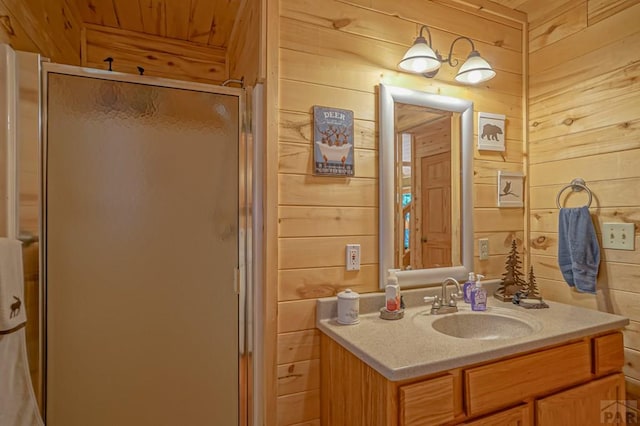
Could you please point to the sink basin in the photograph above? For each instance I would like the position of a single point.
(484, 326)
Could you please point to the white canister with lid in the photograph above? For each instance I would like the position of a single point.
(348, 307)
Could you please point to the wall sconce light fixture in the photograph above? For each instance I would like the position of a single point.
(421, 59)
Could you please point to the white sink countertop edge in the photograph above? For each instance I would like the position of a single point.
(404, 349)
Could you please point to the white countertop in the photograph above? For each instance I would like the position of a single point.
(410, 347)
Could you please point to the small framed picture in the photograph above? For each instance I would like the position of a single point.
(491, 135)
(332, 141)
(510, 189)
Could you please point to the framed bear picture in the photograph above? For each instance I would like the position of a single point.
(491, 134)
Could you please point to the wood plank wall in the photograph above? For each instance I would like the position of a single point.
(29, 205)
(29, 140)
(243, 53)
(585, 122)
(159, 56)
(335, 53)
(51, 28)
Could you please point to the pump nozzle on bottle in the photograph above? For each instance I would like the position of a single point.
(479, 295)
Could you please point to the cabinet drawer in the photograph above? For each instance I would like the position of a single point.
(430, 402)
(608, 353)
(504, 383)
(518, 416)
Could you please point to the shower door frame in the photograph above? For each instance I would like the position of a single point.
(243, 282)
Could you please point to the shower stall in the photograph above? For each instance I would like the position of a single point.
(146, 246)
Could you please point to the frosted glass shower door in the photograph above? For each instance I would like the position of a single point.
(141, 248)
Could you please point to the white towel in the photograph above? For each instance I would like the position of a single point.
(12, 307)
(18, 406)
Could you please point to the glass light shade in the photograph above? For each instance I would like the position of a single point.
(475, 70)
(420, 58)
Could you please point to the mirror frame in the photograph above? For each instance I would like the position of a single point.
(422, 277)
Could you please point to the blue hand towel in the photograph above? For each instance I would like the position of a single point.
(578, 249)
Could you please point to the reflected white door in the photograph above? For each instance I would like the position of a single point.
(141, 248)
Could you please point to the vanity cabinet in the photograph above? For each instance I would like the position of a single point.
(562, 385)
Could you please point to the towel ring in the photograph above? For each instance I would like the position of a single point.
(576, 185)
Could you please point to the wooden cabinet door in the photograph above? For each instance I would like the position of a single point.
(430, 402)
(595, 403)
(517, 416)
(608, 353)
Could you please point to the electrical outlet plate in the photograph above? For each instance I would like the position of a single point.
(353, 257)
(618, 236)
(483, 248)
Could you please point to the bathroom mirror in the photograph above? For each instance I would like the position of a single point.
(426, 153)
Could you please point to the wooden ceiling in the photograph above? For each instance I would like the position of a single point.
(537, 9)
(208, 22)
(413, 118)
(513, 4)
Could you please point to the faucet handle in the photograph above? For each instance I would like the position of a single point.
(432, 299)
(457, 295)
(452, 300)
(436, 305)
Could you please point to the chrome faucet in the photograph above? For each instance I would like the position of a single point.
(438, 305)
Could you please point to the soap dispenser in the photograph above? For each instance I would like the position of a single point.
(392, 292)
(393, 308)
(479, 295)
(468, 286)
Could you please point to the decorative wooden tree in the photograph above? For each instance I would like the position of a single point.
(512, 281)
(530, 295)
(531, 287)
(525, 289)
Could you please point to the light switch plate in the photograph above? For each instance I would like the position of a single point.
(618, 236)
(353, 257)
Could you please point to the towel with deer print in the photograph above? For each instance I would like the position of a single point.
(18, 406)
(12, 309)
